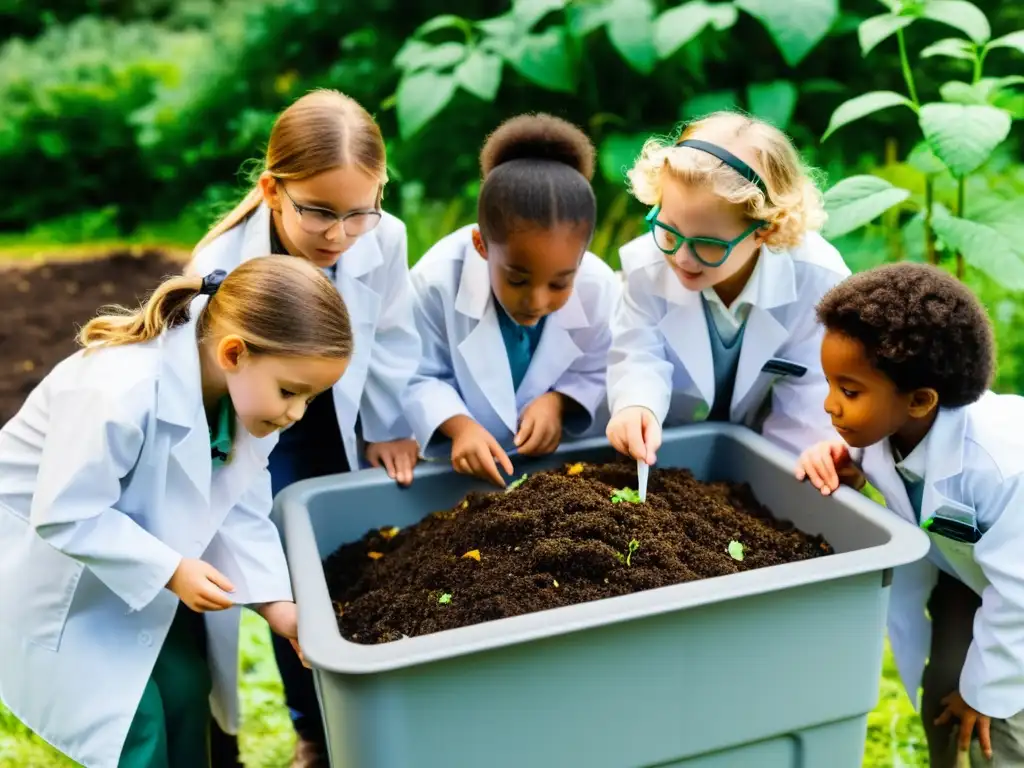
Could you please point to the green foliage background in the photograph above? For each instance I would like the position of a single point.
(132, 121)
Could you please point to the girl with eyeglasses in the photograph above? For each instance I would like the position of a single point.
(717, 321)
(319, 198)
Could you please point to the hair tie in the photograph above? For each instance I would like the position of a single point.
(729, 159)
(212, 282)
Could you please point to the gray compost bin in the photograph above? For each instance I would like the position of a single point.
(769, 668)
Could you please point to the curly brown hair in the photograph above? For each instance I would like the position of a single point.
(920, 327)
(537, 171)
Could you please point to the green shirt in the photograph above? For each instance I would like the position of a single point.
(222, 432)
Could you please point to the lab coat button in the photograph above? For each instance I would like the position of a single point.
(145, 638)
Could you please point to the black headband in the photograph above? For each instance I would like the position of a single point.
(212, 282)
(729, 159)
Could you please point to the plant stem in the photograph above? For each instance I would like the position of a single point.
(891, 218)
(961, 200)
(930, 255)
(905, 65)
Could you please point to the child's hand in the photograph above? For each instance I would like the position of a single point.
(828, 464)
(969, 718)
(283, 618)
(476, 452)
(200, 586)
(540, 428)
(398, 457)
(635, 431)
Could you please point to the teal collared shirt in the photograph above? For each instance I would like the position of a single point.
(520, 343)
(222, 433)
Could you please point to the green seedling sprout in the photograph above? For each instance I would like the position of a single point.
(444, 599)
(736, 550)
(634, 545)
(625, 494)
(516, 483)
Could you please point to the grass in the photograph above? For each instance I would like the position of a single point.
(894, 740)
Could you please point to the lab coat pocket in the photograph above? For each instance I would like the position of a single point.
(953, 531)
(47, 581)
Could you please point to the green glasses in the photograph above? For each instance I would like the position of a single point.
(709, 251)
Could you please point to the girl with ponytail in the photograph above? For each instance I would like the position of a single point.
(134, 510)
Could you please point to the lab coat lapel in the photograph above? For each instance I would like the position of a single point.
(685, 328)
(880, 467)
(483, 349)
(256, 234)
(180, 406)
(764, 334)
(555, 352)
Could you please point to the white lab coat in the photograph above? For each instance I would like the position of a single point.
(975, 467)
(373, 279)
(465, 369)
(661, 351)
(106, 482)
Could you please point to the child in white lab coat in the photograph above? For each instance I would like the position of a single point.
(319, 198)
(134, 511)
(908, 353)
(717, 319)
(514, 311)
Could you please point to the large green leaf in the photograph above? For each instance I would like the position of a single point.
(963, 136)
(445, 21)
(678, 26)
(959, 14)
(617, 154)
(873, 31)
(528, 12)
(953, 47)
(857, 201)
(773, 101)
(631, 30)
(983, 248)
(582, 19)
(1012, 40)
(544, 59)
(862, 106)
(923, 159)
(796, 26)
(706, 103)
(959, 92)
(421, 96)
(480, 74)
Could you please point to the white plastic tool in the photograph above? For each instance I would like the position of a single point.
(642, 470)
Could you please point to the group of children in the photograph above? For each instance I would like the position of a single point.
(136, 482)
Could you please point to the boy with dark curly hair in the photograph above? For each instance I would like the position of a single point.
(908, 355)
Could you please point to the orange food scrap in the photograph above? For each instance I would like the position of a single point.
(375, 555)
(575, 469)
(473, 554)
(388, 533)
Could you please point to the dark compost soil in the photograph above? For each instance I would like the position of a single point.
(42, 307)
(556, 540)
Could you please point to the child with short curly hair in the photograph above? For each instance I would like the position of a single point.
(908, 354)
(717, 320)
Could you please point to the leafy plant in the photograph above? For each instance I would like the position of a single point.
(736, 550)
(516, 483)
(625, 494)
(959, 134)
(634, 545)
(445, 598)
(450, 53)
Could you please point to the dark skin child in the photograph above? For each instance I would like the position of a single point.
(532, 276)
(866, 407)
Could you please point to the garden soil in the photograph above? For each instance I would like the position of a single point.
(557, 539)
(41, 308)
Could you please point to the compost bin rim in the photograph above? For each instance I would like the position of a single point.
(324, 647)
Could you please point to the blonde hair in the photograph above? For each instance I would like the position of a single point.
(322, 130)
(278, 305)
(793, 205)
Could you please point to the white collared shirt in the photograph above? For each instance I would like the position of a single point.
(912, 467)
(729, 320)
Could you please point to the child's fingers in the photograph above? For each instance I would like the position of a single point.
(813, 474)
(966, 731)
(635, 446)
(404, 463)
(484, 467)
(614, 435)
(218, 578)
(985, 736)
(652, 437)
(215, 596)
(840, 453)
(824, 471)
(388, 459)
(800, 473)
(527, 428)
(373, 457)
(501, 457)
